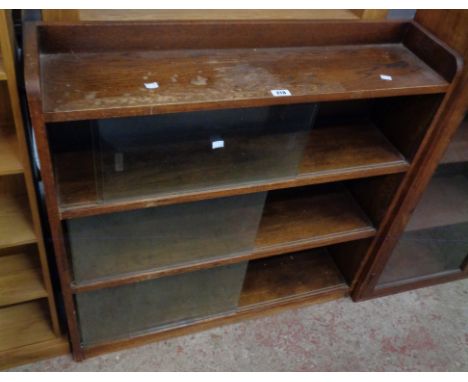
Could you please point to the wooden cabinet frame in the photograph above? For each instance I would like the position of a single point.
(412, 45)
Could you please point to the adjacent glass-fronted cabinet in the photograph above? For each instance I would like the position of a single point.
(427, 242)
(434, 244)
(435, 241)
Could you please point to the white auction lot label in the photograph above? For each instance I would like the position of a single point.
(281, 92)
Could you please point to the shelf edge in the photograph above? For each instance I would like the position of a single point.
(149, 110)
(257, 253)
(226, 318)
(395, 167)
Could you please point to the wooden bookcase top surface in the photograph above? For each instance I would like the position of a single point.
(90, 85)
(103, 70)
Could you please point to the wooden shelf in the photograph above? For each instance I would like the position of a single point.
(458, 149)
(15, 222)
(26, 334)
(3, 75)
(292, 221)
(33, 353)
(350, 151)
(24, 324)
(333, 153)
(290, 277)
(20, 279)
(445, 202)
(9, 156)
(270, 285)
(75, 86)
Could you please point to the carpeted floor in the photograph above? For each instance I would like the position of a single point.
(423, 330)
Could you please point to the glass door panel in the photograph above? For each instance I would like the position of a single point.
(436, 238)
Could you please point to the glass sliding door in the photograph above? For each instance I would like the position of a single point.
(435, 241)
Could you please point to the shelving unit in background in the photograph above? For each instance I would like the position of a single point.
(29, 326)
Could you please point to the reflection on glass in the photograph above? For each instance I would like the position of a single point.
(436, 238)
(125, 242)
(129, 310)
(119, 158)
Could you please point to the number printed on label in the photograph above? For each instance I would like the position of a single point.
(281, 92)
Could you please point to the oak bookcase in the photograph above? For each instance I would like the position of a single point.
(196, 173)
(29, 327)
